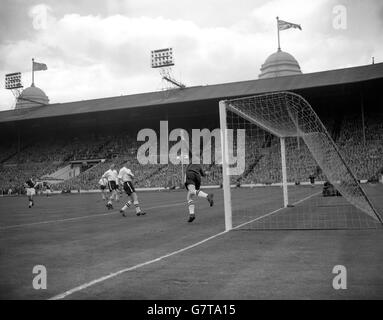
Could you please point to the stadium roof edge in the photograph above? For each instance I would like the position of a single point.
(198, 93)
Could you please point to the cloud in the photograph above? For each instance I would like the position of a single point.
(40, 16)
(107, 54)
(111, 55)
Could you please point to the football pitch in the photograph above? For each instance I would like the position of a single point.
(92, 253)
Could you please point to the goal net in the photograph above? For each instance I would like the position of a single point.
(282, 170)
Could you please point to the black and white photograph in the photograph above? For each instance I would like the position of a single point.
(191, 155)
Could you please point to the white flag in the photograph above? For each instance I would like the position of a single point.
(283, 25)
(39, 66)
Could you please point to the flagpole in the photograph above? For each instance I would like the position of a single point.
(33, 72)
(279, 45)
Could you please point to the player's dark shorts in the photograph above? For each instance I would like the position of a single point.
(102, 187)
(129, 188)
(194, 179)
(112, 185)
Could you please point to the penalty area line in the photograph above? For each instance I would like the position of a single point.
(140, 265)
(82, 217)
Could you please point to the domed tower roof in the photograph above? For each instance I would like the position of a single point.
(279, 64)
(31, 97)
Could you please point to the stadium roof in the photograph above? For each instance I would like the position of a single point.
(198, 93)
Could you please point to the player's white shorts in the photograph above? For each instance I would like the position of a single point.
(31, 191)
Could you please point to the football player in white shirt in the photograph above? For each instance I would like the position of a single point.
(112, 177)
(103, 182)
(125, 177)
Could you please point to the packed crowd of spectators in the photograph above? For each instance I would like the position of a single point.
(362, 152)
(43, 157)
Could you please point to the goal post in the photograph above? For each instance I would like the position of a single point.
(284, 172)
(283, 119)
(225, 166)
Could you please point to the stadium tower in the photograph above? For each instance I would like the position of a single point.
(31, 97)
(279, 64)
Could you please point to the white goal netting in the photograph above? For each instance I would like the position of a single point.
(286, 147)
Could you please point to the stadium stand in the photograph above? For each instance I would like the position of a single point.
(262, 164)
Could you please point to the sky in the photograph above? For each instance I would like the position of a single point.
(101, 48)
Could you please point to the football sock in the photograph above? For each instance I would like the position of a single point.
(138, 209)
(191, 206)
(201, 194)
(127, 205)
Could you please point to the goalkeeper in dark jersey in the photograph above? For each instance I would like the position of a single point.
(194, 172)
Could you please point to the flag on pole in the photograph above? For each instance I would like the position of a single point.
(37, 66)
(283, 25)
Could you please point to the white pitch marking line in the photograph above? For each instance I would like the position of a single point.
(82, 217)
(137, 266)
